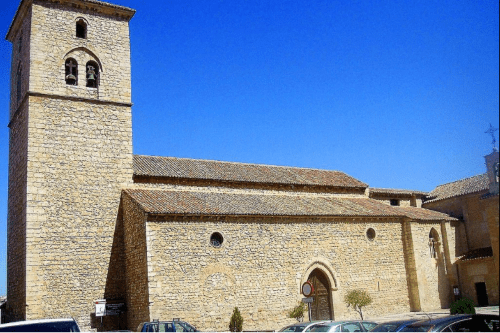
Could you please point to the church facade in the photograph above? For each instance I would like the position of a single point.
(166, 237)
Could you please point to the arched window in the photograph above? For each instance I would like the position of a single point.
(433, 243)
(92, 70)
(71, 68)
(19, 82)
(81, 29)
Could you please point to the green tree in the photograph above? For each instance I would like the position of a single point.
(298, 312)
(358, 299)
(236, 323)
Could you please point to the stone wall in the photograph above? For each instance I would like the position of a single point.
(80, 157)
(433, 282)
(66, 183)
(16, 218)
(54, 41)
(261, 264)
(18, 162)
(20, 60)
(137, 267)
(476, 271)
(474, 233)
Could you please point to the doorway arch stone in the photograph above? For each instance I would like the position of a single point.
(322, 275)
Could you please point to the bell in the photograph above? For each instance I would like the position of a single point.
(91, 77)
(70, 77)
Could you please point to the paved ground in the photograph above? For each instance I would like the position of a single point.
(432, 314)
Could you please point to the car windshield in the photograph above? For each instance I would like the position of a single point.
(294, 328)
(60, 326)
(319, 328)
(184, 327)
(368, 325)
(419, 328)
(386, 327)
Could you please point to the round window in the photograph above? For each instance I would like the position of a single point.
(370, 233)
(216, 239)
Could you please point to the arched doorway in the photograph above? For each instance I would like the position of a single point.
(321, 307)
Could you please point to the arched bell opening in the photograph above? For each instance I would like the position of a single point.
(92, 69)
(71, 72)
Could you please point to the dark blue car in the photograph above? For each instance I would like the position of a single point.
(393, 326)
(456, 323)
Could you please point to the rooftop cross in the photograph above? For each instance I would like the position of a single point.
(491, 131)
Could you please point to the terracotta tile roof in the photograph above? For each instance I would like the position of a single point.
(186, 168)
(393, 191)
(218, 203)
(484, 252)
(423, 214)
(465, 186)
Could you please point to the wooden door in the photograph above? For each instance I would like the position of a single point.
(321, 307)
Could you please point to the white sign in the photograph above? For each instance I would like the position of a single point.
(100, 308)
(308, 300)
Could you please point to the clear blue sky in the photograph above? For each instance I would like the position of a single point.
(395, 93)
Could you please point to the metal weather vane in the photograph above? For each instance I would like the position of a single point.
(491, 131)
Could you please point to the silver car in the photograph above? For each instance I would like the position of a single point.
(343, 326)
(301, 327)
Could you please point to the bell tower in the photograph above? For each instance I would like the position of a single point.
(70, 153)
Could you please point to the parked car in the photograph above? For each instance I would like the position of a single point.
(393, 326)
(166, 326)
(343, 326)
(301, 327)
(42, 325)
(457, 323)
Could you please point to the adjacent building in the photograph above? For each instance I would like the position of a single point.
(474, 201)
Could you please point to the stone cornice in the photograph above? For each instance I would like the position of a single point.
(152, 217)
(105, 8)
(69, 98)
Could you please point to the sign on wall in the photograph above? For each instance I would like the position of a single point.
(100, 308)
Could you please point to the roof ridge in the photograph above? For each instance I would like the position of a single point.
(397, 189)
(463, 179)
(243, 163)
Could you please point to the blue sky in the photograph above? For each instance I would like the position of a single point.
(394, 93)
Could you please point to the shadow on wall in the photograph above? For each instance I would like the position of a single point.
(444, 288)
(115, 290)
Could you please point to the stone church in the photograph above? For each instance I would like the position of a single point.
(165, 237)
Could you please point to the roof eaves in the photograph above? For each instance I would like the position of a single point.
(436, 199)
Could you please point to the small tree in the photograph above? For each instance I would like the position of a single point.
(236, 323)
(357, 299)
(464, 305)
(298, 312)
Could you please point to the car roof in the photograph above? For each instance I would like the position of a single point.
(38, 321)
(401, 321)
(165, 321)
(338, 322)
(441, 320)
(307, 323)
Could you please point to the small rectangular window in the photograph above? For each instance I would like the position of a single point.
(394, 202)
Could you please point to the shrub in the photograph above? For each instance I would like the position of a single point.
(357, 299)
(298, 312)
(236, 323)
(463, 305)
